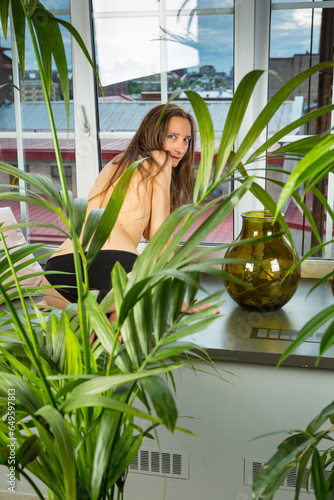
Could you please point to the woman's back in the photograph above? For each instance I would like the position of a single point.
(139, 209)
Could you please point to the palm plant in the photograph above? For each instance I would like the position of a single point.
(310, 451)
(76, 427)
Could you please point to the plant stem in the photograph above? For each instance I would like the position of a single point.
(32, 484)
(68, 207)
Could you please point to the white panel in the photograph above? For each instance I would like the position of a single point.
(228, 416)
(251, 52)
(86, 137)
(18, 121)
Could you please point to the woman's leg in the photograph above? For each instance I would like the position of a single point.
(54, 298)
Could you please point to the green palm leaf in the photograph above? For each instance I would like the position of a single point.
(44, 39)
(107, 433)
(108, 403)
(38, 181)
(110, 213)
(161, 296)
(206, 131)
(106, 334)
(269, 110)
(278, 467)
(312, 164)
(128, 329)
(19, 28)
(308, 329)
(148, 261)
(4, 12)
(79, 213)
(142, 320)
(289, 128)
(162, 400)
(48, 32)
(320, 419)
(299, 148)
(62, 446)
(318, 475)
(81, 44)
(125, 450)
(28, 451)
(174, 351)
(20, 225)
(234, 119)
(219, 214)
(23, 394)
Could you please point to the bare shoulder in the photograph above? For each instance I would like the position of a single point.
(102, 180)
(106, 172)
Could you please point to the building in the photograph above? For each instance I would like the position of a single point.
(32, 91)
(7, 92)
(288, 67)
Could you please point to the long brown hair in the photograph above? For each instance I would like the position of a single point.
(150, 137)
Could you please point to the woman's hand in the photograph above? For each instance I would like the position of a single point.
(195, 309)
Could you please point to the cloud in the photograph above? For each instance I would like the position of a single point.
(291, 32)
(129, 48)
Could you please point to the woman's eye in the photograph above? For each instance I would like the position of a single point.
(187, 140)
(172, 136)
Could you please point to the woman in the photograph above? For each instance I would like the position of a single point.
(161, 183)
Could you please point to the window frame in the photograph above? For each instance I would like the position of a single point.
(251, 51)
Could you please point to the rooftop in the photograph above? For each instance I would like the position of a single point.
(126, 116)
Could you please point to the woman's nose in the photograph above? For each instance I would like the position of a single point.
(181, 147)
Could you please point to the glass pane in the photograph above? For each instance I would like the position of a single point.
(212, 78)
(200, 4)
(294, 49)
(300, 38)
(40, 158)
(124, 6)
(127, 49)
(289, 1)
(39, 154)
(35, 155)
(6, 74)
(8, 150)
(196, 52)
(31, 86)
(56, 4)
(209, 57)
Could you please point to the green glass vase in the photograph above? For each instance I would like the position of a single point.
(266, 264)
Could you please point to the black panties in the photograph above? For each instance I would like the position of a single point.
(99, 273)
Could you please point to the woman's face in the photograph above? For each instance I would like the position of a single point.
(177, 139)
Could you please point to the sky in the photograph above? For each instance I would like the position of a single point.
(137, 48)
(129, 48)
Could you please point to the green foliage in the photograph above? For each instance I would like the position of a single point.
(311, 452)
(301, 451)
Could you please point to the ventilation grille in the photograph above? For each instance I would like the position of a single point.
(252, 467)
(161, 463)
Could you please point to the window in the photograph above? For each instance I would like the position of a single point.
(300, 38)
(145, 50)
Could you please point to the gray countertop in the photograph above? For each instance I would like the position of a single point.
(254, 337)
